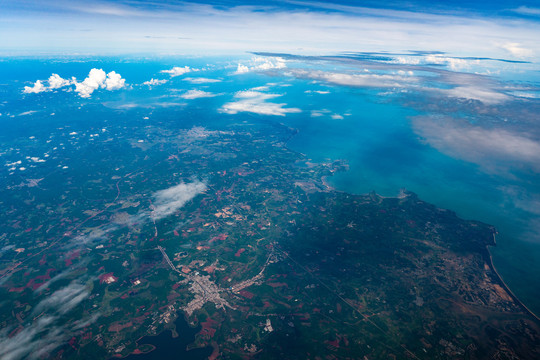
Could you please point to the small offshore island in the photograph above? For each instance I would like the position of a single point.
(246, 241)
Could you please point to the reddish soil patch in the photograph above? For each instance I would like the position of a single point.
(277, 284)
(71, 257)
(208, 328)
(116, 327)
(246, 294)
(108, 276)
(239, 252)
(220, 237)
(210, 269)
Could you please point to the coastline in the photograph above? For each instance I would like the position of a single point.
(506, 287)
(502, 283)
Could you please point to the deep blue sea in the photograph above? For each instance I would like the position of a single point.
(372, 131)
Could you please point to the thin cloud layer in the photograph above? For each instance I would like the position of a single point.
(256, 102)
(494, 149)
(201, 80)
(365, 79)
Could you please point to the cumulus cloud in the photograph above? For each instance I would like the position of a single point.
(167, 201)
(242, 69)
(201, 80)
(494, 149)
(153, 82)
(114, 81)
(36, 89)
(196, 94)
(177, 71)
(96, 79)
(256, 102)
(56, 82)
(259, 63)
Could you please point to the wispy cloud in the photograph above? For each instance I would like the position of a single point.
(167, 201)
(63, 300)
(201, 80)
(256, 102)
(38, 338)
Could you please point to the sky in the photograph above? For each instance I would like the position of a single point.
(504, 29)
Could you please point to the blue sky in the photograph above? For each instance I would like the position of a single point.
(504, 29)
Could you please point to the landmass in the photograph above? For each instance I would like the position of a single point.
(263, 259)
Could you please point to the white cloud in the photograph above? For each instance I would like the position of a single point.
(255, 102)
(517, 50)
(525, 10)
(486, 95)
(153, 82)
(30, 112)
(97, 78)
(452, 63)
(114, 81)
(167, 201)
(322, 92)
(229, 29)
(493, 149)
(201, 80)
(56, 82)
(32, 341)
(260, 63)
(63, 300)
(36, 89)
(38, 338)
(357, 80)
(196, 94)
(242, 69)
(94, 81)
(177, 71)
